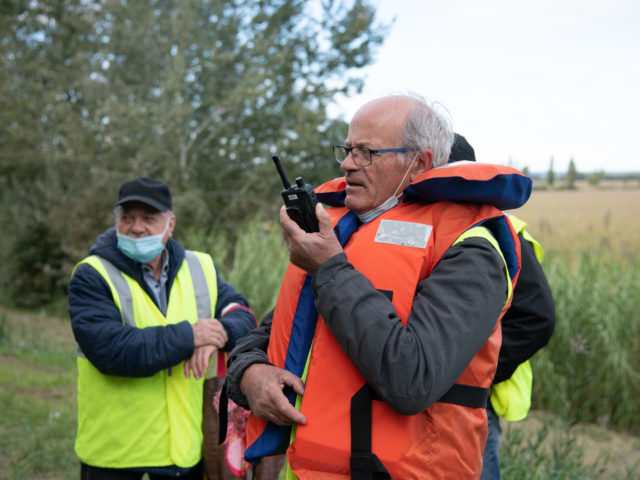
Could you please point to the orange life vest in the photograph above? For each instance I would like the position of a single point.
(447, 439)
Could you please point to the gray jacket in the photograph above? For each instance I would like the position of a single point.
(410, 367)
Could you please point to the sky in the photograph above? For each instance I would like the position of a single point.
(524, 82)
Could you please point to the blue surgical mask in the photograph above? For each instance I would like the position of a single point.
(143, 249)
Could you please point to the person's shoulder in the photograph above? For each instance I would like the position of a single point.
(86, 279)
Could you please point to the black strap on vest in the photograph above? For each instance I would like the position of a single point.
(222, 415)
(467, 396)
(365, 465)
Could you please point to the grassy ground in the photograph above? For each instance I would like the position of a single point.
(545, 446)
(37, 399)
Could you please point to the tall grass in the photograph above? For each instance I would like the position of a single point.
(590, 370)
(550, 448)
(552, 452)
(254, 263)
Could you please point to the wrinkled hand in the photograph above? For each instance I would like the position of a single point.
(199, 361)
(262, 384)
(310, 250)
(209, 331)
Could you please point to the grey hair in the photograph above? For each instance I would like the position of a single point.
(427, 128)
(118, 211)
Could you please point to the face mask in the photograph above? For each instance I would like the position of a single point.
(389, 203)
(143, 249)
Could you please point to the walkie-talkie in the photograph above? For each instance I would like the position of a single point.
(300, 200)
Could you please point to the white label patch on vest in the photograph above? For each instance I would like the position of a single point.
(408, 234)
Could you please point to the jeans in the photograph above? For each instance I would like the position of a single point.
(490, 458)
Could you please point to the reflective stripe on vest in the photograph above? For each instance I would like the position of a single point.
(483, 232)
(200, 287)
(521, 228)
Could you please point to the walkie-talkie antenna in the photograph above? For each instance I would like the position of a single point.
(283, 176)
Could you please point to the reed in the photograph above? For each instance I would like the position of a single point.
(590, 370)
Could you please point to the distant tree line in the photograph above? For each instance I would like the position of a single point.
(568, 180)
(198, 93)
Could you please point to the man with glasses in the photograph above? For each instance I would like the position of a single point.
(147, 315)
(378, 357)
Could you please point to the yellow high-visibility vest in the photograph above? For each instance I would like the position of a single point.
(146, 421)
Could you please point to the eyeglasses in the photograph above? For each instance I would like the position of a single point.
(361, 156)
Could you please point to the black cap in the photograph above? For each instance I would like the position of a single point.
(146, 190)
(461, 150)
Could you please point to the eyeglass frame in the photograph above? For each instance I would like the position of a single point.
(377, 151)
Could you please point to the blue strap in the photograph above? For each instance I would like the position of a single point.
(348, 224)
(500, 229)
(275, 438)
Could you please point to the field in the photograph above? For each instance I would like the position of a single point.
(585, 422)
(586, 219)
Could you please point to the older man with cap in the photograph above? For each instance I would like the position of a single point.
(147, 316)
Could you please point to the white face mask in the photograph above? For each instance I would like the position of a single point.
(389, 203)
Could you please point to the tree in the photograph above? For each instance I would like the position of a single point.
(551, 177)
(203, 93)
(594, 178)
(42, 144)
(199, 93)
(572, 175)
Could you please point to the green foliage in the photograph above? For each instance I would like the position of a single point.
(254, 265)
(197, 93)
(590, 370)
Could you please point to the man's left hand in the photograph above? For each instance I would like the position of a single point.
(209, 331)
(199, 361)
(310, 250)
